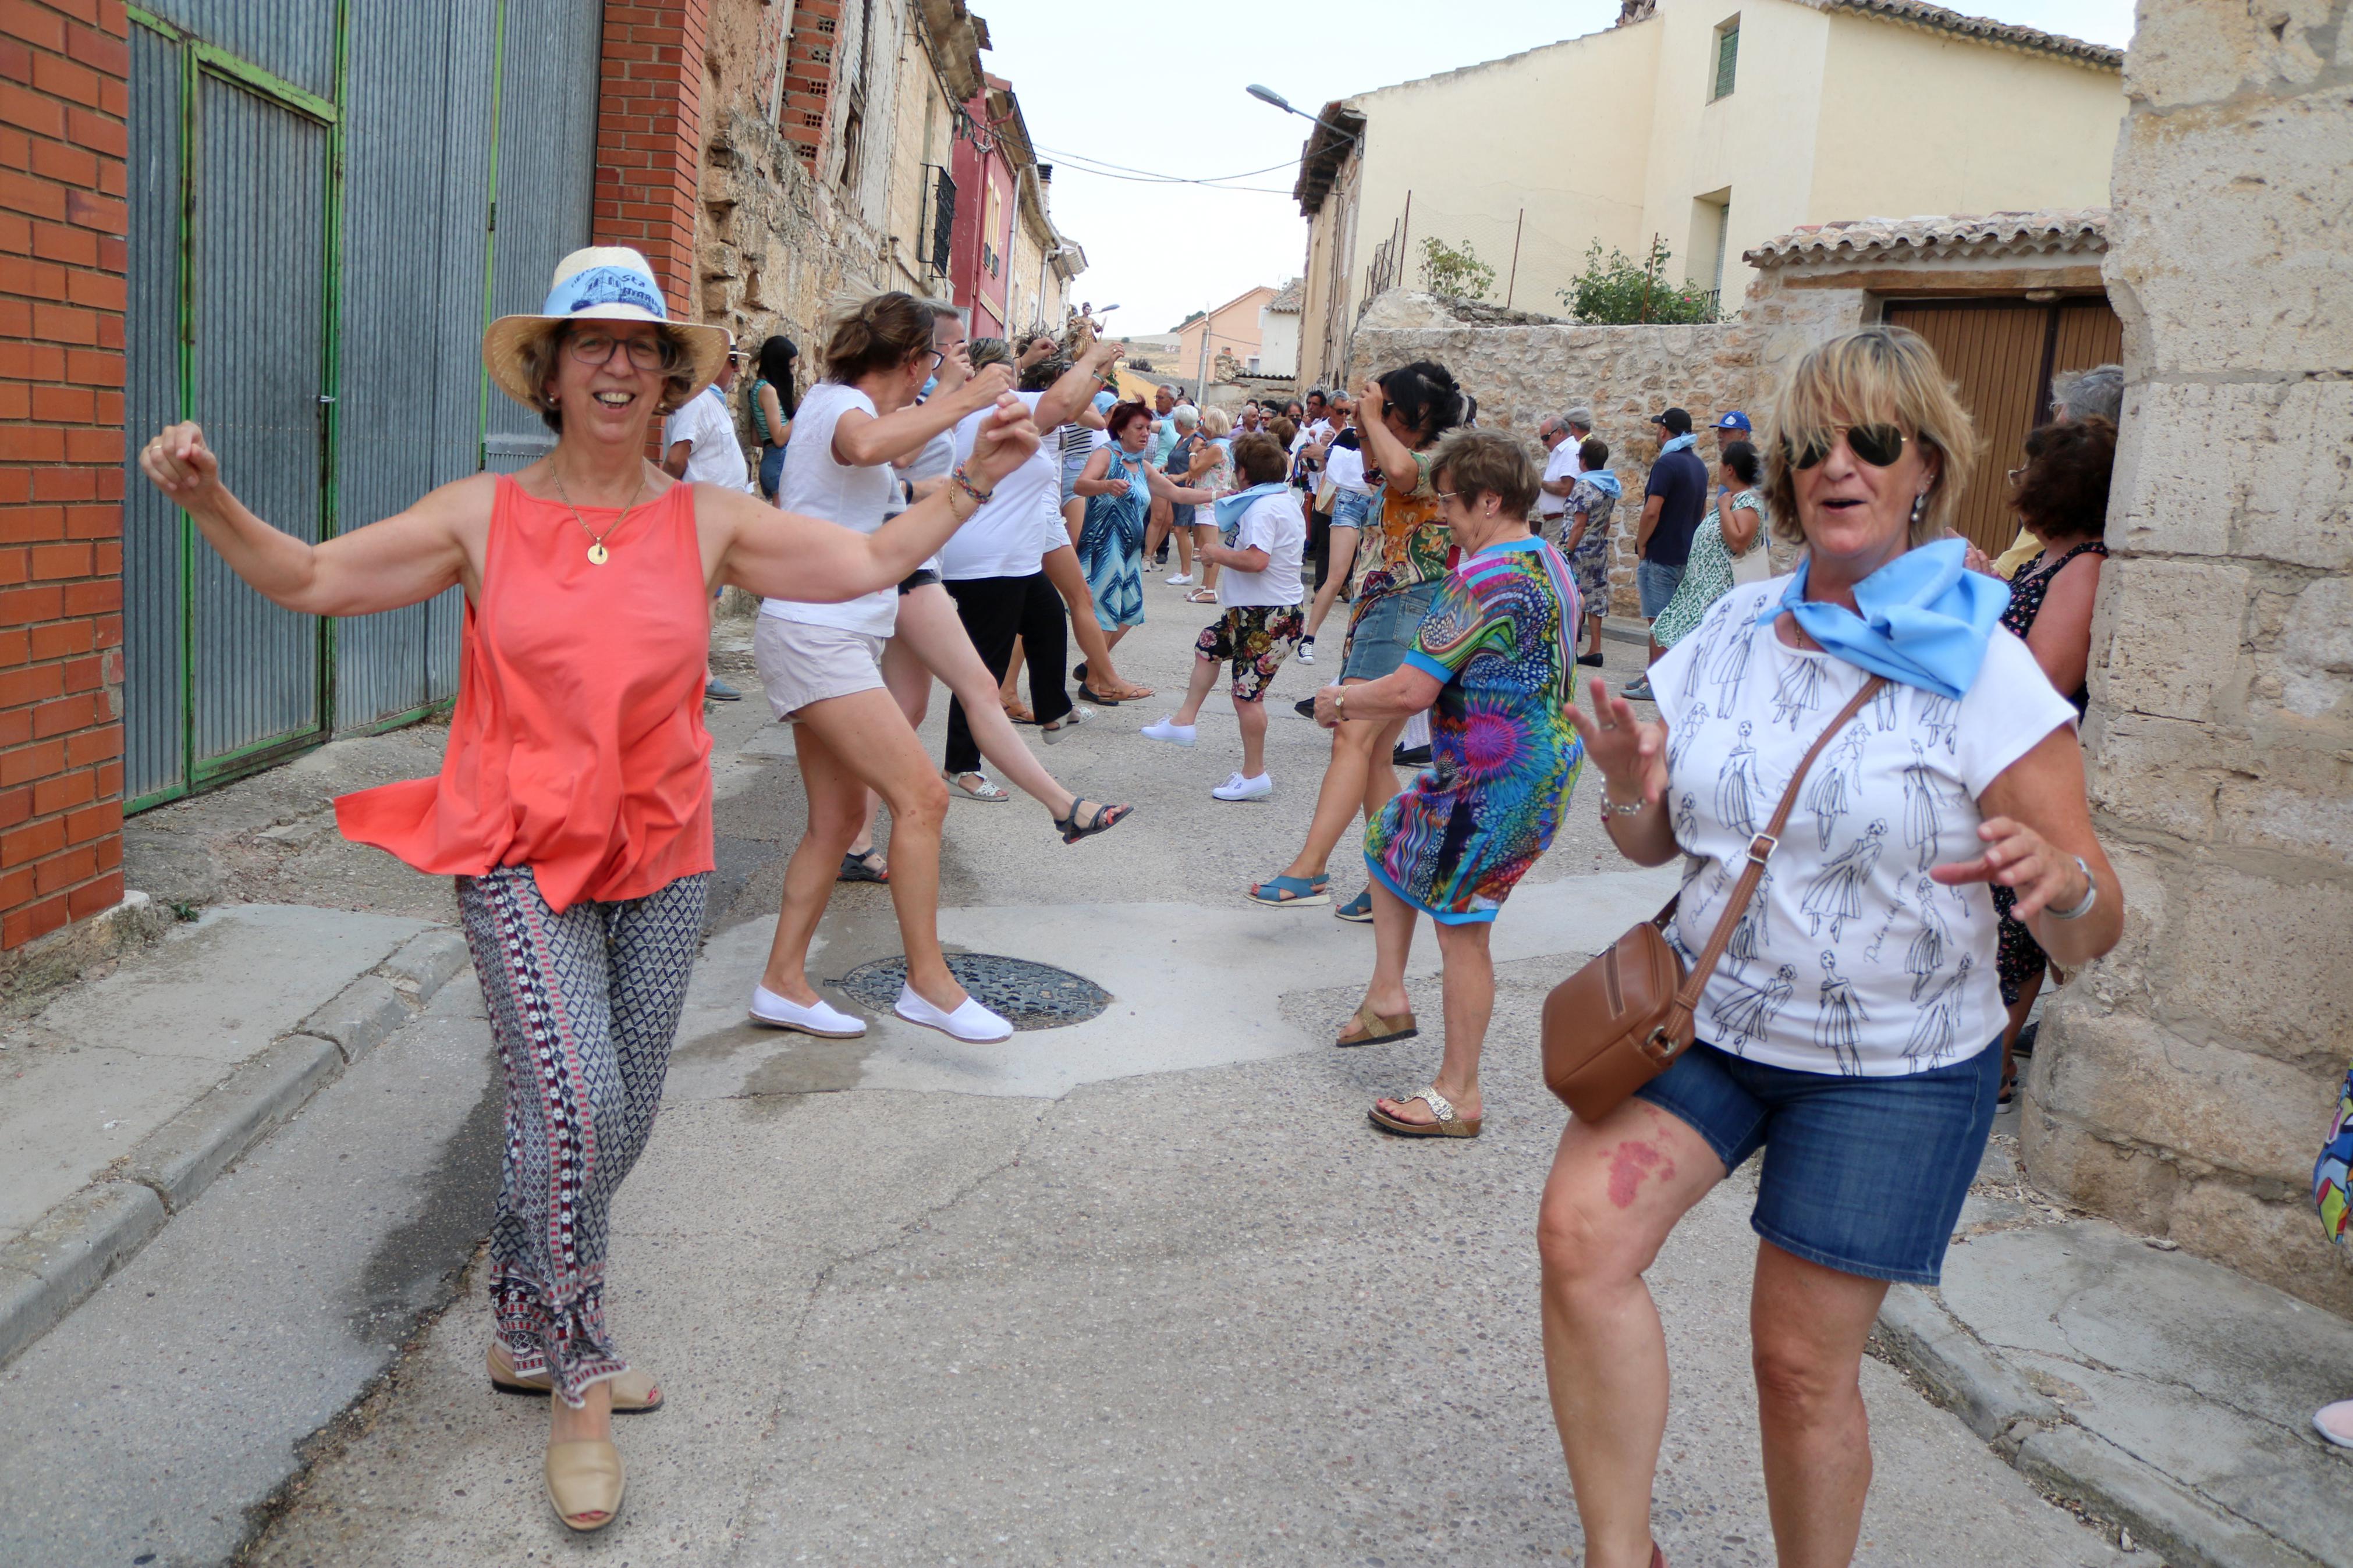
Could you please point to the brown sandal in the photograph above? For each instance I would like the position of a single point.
(1447, 1125)
(1378, 1030)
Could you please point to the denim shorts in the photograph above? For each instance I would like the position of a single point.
(1382, 631)
(1866, 1175)
(1656, 584)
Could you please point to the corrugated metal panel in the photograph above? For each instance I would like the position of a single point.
(1994, 355)
(546, 179)
(2089, 334)
(417, 176)
(294, 39)
(153, 674)
(259, 246)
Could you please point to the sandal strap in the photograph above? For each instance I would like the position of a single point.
(1441, 1108)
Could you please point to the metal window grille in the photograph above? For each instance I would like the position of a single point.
(940, 214)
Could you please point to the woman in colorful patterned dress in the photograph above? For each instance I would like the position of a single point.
(1497, 655)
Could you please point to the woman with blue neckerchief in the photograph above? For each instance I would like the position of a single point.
(1853, 1028)
(1118, 486)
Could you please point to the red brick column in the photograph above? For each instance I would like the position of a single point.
(649, 138)
(64, 97)
(808, 76)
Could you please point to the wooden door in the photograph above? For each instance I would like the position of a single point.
(2002, 355)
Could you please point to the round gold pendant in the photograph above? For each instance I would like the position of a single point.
(597, 556)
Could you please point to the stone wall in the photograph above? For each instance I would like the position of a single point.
(2186, 1081)
(1625, 374)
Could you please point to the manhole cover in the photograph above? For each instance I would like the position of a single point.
(1028, 995)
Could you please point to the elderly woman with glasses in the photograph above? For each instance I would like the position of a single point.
(574, 804)
(1853, 1030)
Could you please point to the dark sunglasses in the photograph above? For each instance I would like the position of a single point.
(1881, 445)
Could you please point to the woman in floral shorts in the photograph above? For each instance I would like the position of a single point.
(1262, 534)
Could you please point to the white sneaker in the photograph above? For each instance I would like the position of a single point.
(1240, 788)
(1170, 730)
(971, 1021)
(825, 1022)
(1052, 733)
(1307, 650)
(1178, 579)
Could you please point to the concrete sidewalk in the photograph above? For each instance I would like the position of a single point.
(2148, 1387)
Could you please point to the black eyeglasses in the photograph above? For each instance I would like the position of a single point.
(1881, 445)
(596, 348)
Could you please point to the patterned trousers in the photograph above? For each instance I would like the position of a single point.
(583, 1006)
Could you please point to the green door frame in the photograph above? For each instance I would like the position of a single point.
(198, 58)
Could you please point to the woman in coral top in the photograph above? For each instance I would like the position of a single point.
(574, 806)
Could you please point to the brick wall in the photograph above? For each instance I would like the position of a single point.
(808, 77)
(649, 137)
(64, 97)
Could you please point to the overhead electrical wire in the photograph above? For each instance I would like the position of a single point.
(1085, 164)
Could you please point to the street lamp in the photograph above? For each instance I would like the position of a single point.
(1268, 95)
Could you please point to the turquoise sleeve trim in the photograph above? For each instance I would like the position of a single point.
(1429, 666)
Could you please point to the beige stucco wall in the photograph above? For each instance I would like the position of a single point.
(1231, 328)
(1278, 342)
(2186, 1082)
(921, 123)
(1982, 130)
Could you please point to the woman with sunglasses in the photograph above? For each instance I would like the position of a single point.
(1853, 1028)
(573, 806)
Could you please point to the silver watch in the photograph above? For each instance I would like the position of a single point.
(2084, 905)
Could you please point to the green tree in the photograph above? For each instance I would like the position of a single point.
(1455, 271)
(1621, 291)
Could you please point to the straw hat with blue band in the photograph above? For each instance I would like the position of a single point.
(600, 283)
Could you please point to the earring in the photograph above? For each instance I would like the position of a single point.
(1919, 508)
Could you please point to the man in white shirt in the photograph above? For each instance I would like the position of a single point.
(700, 445)
(699, 442)
(1561, 434)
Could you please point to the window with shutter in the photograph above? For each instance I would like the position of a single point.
(1727, 58)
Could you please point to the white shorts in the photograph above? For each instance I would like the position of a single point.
(800, 664)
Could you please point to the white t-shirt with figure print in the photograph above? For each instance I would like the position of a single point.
(1850, 959)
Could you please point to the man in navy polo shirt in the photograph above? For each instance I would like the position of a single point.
(1672, 504)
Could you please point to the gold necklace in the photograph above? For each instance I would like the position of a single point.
(597, 553)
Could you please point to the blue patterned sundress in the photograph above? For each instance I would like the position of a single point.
(1111, 543)
(1504, 756)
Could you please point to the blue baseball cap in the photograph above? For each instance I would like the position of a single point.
(1105, 401)
(1735, 420)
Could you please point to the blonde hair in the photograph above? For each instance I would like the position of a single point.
(1217, 422)
(1872, 375)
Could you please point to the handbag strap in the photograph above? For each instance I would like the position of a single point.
(1760, 850)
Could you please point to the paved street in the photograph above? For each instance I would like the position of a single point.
(1143, 1290)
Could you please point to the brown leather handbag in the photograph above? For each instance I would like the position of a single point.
(1623, 1019)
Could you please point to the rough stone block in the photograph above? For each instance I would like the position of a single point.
(2278, 1243)
(359, 1017)
(2174, 632)
(2299, 500)
(426, 961)
(2128, 1077)
(2234, 192)
(2133, 1187)
(181, 1158)
(49, 1269)
(2177, 489)
(2316, 650)
(2267, 965)
(2124, 975)
(2191, 54)
(2155, 774)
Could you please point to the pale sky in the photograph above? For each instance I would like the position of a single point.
(1160, 89)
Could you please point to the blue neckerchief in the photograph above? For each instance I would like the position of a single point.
(1229, 509)
(1679, 443)
(1602, 479)
(713, 390)
(1925, 618)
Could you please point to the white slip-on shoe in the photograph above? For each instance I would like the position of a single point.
(1052, 733)
(1170, 730)
(1178, 579)
(826, 1023)
(971, 1021)
(1240, 788)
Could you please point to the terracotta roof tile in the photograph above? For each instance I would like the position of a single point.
(2077, 231)
(1984, 28)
